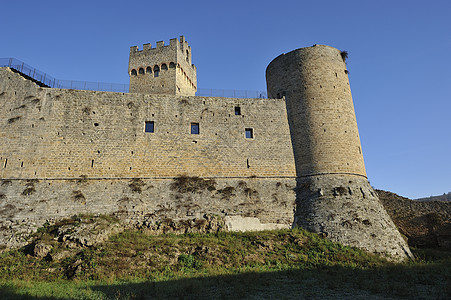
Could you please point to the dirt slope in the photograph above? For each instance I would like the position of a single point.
(425, 224)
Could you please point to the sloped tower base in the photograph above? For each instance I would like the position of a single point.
(346, 209)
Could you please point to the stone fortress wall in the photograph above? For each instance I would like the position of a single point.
(68, 152)
(295, 159)
(55, 133)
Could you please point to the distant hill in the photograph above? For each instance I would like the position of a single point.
(425, 223)
(444, 197)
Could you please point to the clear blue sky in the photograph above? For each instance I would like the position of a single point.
(399, 61)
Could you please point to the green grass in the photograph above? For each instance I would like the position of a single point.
(283, 264)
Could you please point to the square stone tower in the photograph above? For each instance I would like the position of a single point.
(164, 70)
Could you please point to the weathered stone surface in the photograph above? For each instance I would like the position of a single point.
(87, 234)
(41, 249)
(59, 256)
(176, 205)
(166, 70)
(239, 223)
(348, 211)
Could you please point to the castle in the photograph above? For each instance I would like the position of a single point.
(160, 153)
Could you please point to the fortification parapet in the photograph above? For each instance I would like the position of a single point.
(147, 47)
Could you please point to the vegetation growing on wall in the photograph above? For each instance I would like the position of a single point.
(344, 55)
(186, 184)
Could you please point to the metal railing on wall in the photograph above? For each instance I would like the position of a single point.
(49, 81)
(27, 70)
(93, 86)
(231, 93)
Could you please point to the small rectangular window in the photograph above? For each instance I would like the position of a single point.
(237, 110)
(194, 128)
(249, 132)
(149, 127)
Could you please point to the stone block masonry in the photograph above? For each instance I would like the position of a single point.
(333, 195)
(68, 152)
(54, 133)
(315, 83)
(166, 70)
(26, 205)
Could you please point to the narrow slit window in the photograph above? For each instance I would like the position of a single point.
(237, 110)
(149, 126)
(249, 133)
(194, 128)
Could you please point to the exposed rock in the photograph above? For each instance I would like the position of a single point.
(88, 232)
(205, 224)
(41, 249)
(60, 255)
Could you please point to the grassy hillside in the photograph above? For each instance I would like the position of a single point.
(270, 264)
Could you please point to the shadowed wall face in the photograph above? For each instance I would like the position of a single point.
(323, 126)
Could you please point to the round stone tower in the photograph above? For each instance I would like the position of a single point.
(334, 196)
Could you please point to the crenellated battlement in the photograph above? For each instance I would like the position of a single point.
(182, 44)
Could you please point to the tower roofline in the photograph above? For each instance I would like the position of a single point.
(161, 44)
